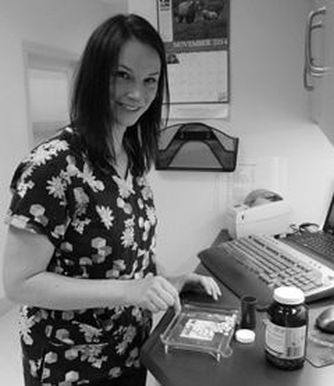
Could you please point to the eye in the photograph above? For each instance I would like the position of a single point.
(121, 74)
(151, 81)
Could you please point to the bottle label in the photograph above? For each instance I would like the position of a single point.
(285, 342)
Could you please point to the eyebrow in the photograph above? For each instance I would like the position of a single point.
(156, 73)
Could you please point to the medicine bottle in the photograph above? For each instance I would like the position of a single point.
(286, 329)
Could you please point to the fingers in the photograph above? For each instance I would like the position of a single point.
(173, 292)
(207, 283)
(156, 305)
(157, 294)
(210, 287)
(163, 298)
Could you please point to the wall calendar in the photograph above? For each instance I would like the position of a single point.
(196, 36)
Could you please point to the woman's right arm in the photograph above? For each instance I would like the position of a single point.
(27, 281)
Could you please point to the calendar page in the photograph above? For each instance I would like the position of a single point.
(199, 76)
(196, 36)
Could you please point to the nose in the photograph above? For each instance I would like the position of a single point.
(136, 91)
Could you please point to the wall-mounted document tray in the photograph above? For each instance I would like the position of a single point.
(196, 146)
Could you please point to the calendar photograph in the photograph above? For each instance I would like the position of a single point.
(194, 25)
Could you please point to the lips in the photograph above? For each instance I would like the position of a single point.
(129, 107)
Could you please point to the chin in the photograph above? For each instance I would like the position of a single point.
(127, 122)
(129, 119)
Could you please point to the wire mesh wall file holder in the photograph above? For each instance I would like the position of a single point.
(196, 146)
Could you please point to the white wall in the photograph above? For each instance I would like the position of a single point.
(268, 112)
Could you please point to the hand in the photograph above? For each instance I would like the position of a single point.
(155, 293)
(194, 280)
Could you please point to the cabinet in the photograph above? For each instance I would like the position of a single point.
(319, 64)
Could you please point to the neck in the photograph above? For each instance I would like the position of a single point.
(115, 142)
(121, 158)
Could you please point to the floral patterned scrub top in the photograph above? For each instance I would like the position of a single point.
(101, 226)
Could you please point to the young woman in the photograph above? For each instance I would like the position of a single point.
(80, 251)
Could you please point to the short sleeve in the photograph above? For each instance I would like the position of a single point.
(39, 195)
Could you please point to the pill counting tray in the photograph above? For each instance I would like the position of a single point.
(203, 329)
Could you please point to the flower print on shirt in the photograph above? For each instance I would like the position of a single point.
(102, 227)
(25, 324)
(124, 205)
(39, 156)
(81, 202)
(56, 187)
(92, 354)
(24, 187)
(88, 177)
(118, 267)
(91, 333)
(115, 372)
(146, 189)
(106, 216)
(46, 151)
(86, 174)
(133, 359)
(125, 187)
(128, 334)
(128, 233)
(151, 215)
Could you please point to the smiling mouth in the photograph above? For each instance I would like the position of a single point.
(129, 107)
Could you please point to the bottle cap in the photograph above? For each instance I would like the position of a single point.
(244, 335)
(289, 295)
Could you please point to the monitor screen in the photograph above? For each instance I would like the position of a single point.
(329, 222)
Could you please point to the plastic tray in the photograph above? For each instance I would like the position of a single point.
(203, 329)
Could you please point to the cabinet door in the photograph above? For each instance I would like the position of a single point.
(326, 120)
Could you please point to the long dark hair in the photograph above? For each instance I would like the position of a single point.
(90, 109)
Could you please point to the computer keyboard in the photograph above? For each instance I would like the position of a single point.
(318, 242)
(257, 264)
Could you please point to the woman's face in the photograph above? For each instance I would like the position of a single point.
(134, 84)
